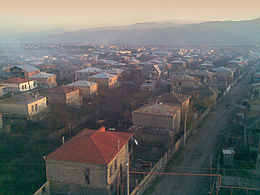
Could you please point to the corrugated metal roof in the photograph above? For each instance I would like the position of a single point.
(28, 68)
(103, 75)
(42, 75)
(82, 83)
(158, 109)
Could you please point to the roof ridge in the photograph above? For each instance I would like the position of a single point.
(96, 146)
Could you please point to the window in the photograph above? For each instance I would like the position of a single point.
(179, 83)
(32, 107)
(115, 165)
(22, 87)
(86, 174)
(111, 170)
(36, 106)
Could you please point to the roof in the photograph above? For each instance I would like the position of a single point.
(91, 70)
(44, 75)
(82, 83)
(102, 75)
(173, 98)
(183, 77)
(158, 109)
(92, 146)
(116, 71)
(17, 80)
(60, 89)
(21, 99)
(28, 68)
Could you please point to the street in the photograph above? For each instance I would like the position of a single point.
(195, 157)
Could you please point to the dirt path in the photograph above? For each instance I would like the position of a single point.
(195, 156)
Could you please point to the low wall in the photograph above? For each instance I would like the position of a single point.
(144, 184)
(195, 124)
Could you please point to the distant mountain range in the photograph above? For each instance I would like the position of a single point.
(216, 32)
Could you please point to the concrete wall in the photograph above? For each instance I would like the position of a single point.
(13, 108)
(105, 83)
(37, 106)
(73, 98)
(27, 86)
(153, 120)
(48, 82)
(182, 83)
(88, 91)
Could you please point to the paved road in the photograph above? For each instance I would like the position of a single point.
(195, 156)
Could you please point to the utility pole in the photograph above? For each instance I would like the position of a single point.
(245, 129)
(185, 125)
(127, 176)
(258, 154)
(210, 172)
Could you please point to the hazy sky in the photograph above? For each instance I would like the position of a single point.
(74, 14)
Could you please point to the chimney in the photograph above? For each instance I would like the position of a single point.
(102, 129)
(118, 144)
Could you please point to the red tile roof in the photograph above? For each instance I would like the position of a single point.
(15, 80)
(92, 146)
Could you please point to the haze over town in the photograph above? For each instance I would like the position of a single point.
(130, 97)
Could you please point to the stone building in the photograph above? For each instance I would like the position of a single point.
(158, 116)
(87, 72)
(86, 88)
(92, 162)
(23, 105)
(44, 79)
(17, 85)
(63, 95)
(175, 99)
(104, 80)
(24, 71)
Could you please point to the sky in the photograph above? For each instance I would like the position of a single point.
(34, 15)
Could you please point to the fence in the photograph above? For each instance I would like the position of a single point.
(195, 124)
(144, 184)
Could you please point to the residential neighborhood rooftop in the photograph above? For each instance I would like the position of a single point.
(17, 80)
(82, 83)
(103, 75)
(92, 146)
(42, 75)
(28, 68)
(21, 99)
(158, 109)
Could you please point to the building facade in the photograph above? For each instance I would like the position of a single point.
(92, 162)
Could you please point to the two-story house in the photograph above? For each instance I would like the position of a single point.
(17, 85)
(44, 79)
(24, 71)
(92, 162)
(86, 88)
(23, 105)
(67, 95)
(175, 99)
(158, 116)
(105, 80)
